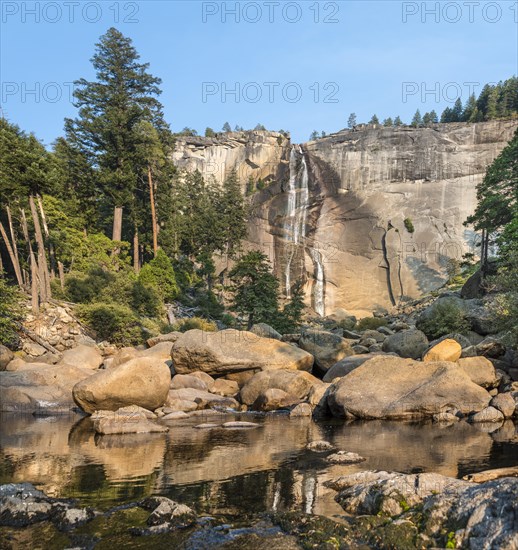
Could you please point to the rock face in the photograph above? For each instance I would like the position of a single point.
(362, 186)
(390, 387)
(229, 351)
(143, 381)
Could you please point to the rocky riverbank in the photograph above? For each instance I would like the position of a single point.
(384, 510)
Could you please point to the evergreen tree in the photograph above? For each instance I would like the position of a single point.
(110, 109)
(417, 120)
(434, 119)
(447, 115)
(291, 315)
(457, 111)
(159, 274)
(232, 215)
(469, 109)
(426, 118)
(226, 128)
(497, 194)
(314, 136)
(351, 121)
(492, 104)
(254, 289)
(388, 122)
(398, 122)
(260, 127)
(209, 132)
(374, 120)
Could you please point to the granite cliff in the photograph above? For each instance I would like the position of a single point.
(367, 217)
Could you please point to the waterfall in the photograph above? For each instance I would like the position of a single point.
(295, 228)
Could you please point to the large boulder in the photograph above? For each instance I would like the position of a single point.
(480, 370)
(88, 357)
(391, 387)
(6, 356)
(326, 347)
(274, 399)
(160, 351)
(296, 384)
(228, 351)
(143, 381)
(409, 343)
(347, 365)
(41, 388)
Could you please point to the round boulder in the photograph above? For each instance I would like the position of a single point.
(409, 344)
(143, 381)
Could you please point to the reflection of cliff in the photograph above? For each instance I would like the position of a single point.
(360, 183)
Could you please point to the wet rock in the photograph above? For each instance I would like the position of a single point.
(480, 370)
(320, 446)
(490, 475)
(392, 387)
(297, 384)
(116, 423)
(207, 426)
(168, 512)
(203, 399)
(176, 415)
(6, 356)
(180, 405)
(411, 343)
(446, 417)
(327, 348)
(345, 457)
(447, 350)
(232, 350)
(238, 425)
(489, 414)
(301, 410)
(505, 403)
(274, 399)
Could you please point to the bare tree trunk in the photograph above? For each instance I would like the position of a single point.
(13, 235)
(117, 224)
(153, 209)
(45, 292)
(61, 275)
(52, 254)
(34, 285)
(136, 251)
(12, 256)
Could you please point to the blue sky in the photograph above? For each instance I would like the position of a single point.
(363, 54)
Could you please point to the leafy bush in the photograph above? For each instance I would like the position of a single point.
(444, 318)
(113, 322)
(159, 274)
(183, 325)
(11, 314)
(370, 323)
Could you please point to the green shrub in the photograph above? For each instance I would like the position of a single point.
(444, 318)
(113, 322)
(409, 225)
(183, 325)
(145, 300)
(11, 314)
(370, 323)
(208, 305)
(159, 274)
(84, 288)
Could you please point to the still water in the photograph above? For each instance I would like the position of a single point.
(233, 471)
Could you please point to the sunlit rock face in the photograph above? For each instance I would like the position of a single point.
(366, 218)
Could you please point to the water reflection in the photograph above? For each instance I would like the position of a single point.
(234, 470)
